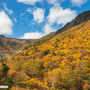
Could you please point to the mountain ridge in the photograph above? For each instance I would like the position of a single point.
(84, 16)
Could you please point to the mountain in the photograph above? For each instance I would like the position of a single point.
(12, 45)
(79, 19)
(58, 63)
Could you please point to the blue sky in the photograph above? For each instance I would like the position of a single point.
(32, 19)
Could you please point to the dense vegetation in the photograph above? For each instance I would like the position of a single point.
(61, 63)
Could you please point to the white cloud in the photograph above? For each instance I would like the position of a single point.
(15, 20)
(38, 15)
(32, 35)
(36, 35)
(29, 10)
(5, 24)
(48, 29)
(59, 15)
(54, 2)
(78, 2)
(6, 9)
(22, 14)
(29, 2)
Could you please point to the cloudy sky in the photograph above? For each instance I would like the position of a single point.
(32, 19)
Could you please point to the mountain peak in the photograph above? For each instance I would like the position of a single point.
(79, 19)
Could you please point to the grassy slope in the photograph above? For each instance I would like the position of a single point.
(60, 63)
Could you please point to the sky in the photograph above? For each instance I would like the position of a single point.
(33, 19)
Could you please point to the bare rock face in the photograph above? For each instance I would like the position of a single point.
(85, 16)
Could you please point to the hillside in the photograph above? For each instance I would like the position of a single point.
(9, 46)
(62, 63)
(12, 45)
